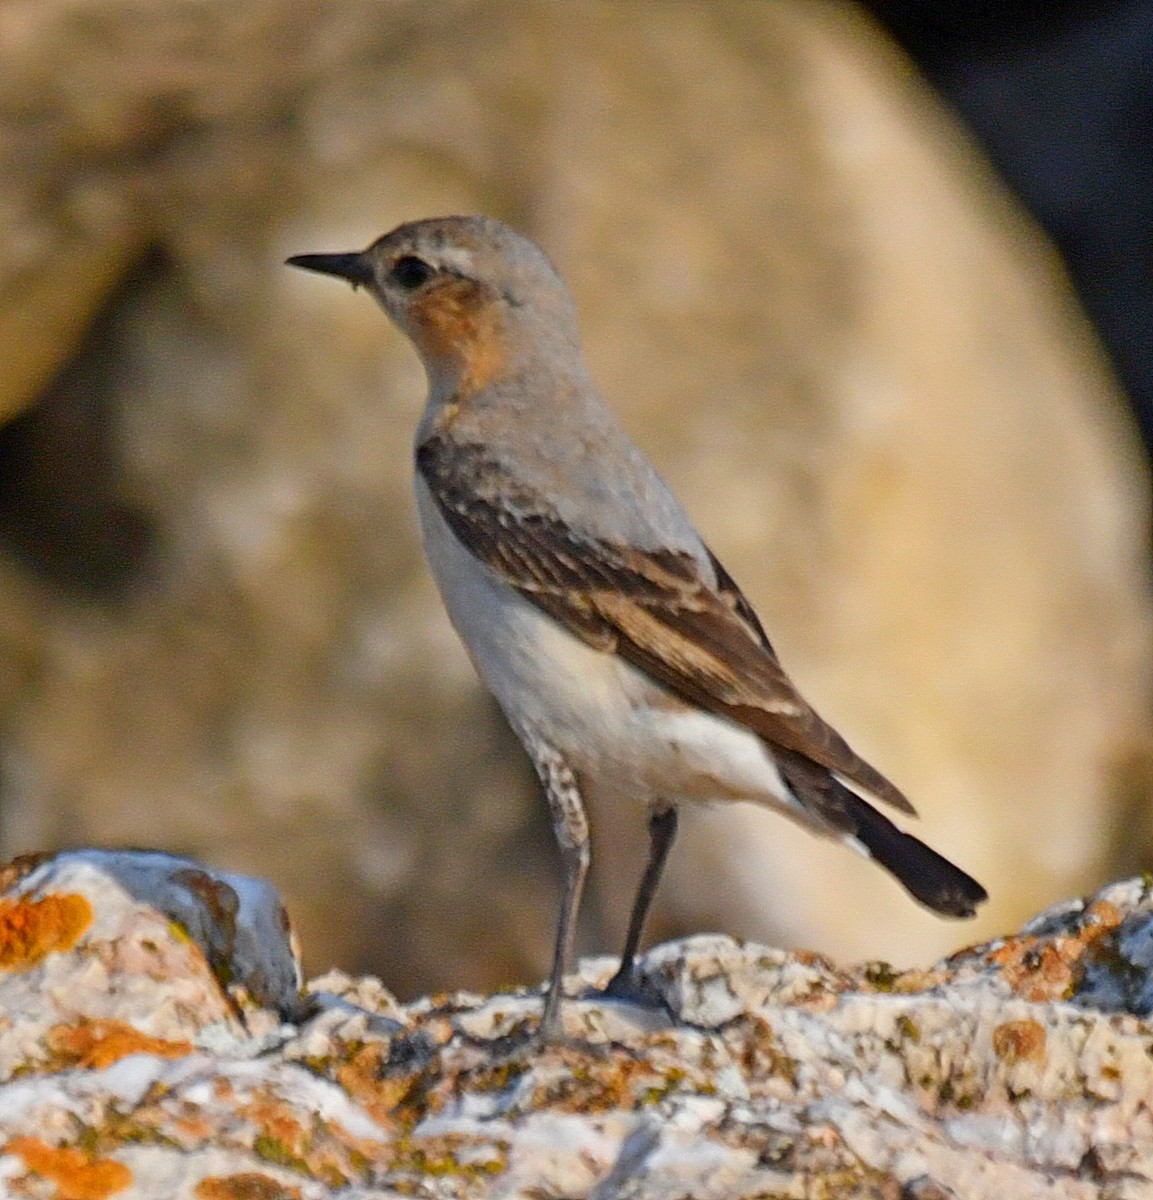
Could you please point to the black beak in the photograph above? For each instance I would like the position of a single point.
(354, 267)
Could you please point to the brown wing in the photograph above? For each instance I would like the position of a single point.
(701, 640)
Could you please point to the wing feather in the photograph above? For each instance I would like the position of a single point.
(697, 636)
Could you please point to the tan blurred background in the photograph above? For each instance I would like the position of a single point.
(854, 357)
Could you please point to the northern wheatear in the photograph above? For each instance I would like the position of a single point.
(614, 641)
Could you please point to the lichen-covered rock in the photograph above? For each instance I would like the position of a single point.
(1019, 1068)
(106, 954)
(802, 291)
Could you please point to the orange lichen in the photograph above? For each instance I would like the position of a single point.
(361, 1078)
(98, 1044)
(1019, 1041)
(30, 930)
(1041, 969)
(313, 1146)
(77, 1176)
(277, 1121)
(600, 1085)
(190, 1125)
(321, 1150)
(251, 1185)
(1038, 970)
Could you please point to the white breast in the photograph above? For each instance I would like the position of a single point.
(543, 677)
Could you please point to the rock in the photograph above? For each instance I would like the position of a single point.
(1020, 1067)
(853, 358)
(83, 933)
(45, 314)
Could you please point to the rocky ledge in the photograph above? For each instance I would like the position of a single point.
(155, 1041)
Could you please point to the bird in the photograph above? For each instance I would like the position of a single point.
(614, 641)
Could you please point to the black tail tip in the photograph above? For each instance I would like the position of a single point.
(927, 876)
(958, 897)
(933, 880)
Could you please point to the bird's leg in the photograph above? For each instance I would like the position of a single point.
(662, 831)
(572, 833)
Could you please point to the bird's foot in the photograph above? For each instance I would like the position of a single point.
(627, 986)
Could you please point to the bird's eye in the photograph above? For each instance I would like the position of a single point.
(410, 272)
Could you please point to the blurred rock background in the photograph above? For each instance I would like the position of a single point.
(858, 361)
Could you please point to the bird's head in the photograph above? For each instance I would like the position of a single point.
(472, 294)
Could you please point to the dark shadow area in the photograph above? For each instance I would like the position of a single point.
(64, 511)
(1061, 97)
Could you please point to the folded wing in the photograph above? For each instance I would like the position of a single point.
(697, 636)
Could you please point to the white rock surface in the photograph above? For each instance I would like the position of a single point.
(138, 1062)
(801, 289)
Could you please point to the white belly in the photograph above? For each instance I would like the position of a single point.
(606, 717)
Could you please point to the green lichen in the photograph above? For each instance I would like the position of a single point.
(120, 1129)
(412, 1159)
(273, 1150)
(498, 1078)
(881, 976)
